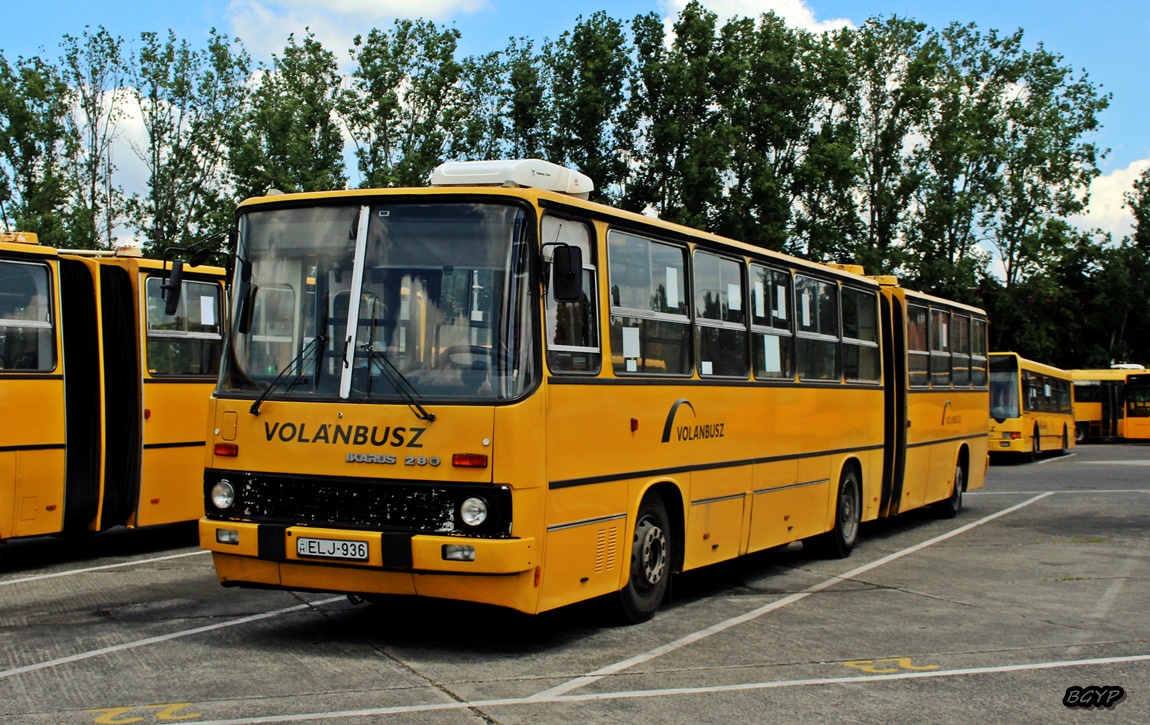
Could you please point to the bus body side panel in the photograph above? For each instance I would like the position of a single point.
(83, 394)
(32, 451)
(172, 471)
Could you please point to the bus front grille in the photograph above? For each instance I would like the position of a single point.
(356, 503)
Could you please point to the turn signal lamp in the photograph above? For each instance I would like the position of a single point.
(469, 460)
(231, 450)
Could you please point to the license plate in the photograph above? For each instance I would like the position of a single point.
(332, 549)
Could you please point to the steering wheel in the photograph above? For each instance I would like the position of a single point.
(466, 357)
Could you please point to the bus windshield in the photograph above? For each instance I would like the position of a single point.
(441, 303)
(1003, 388)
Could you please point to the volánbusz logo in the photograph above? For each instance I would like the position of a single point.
(348, 435)
(690, 432)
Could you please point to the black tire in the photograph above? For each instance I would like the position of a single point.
(1065, 440)
(948, 508)
(1079, 434)
(650, 568)
(840, 540)
(1035, 447)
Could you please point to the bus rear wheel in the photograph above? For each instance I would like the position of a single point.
(948, 508)
(650, 562)
(1079, 433)
(840, 540)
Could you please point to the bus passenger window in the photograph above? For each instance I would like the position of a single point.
(720, 316)
(918, 354)
(650, 329)
(773, 341)
(27, 341)
(817, 343)
(190, 341)
(572, 335)
(860, 335)
(978, 375)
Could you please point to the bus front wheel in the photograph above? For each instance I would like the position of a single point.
(650, 562)
(840, 540)
(1079, 433)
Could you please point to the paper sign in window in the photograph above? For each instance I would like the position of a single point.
(207, 310)
(760, 299)
(632, 366)
(806, 308)
(630, 342)
(672, 289)
(781, 302)
(707, 368)
(734, 297)
(771, 354)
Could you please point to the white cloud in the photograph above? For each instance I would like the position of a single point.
(1107, 209)
(264, 25)
(794, 12)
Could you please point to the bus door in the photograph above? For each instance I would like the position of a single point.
(32, 443)
(1113, 408)
(895, 384)
(181, 359)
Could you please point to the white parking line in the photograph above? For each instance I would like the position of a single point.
(1063, 457)
(772, 606)
(70, 572)
(636, 694)
(161, 638)
(1081, 490)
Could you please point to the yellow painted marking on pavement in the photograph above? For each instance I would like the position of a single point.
(883, 666)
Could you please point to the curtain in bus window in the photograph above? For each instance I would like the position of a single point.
(720, 315)
(960, 349)
(860, 335)
(27, 341)
(817, 342)
(650, 329)
(772, 341)
(190, 341)
(573, 327)
(918, 352)
(939, 348)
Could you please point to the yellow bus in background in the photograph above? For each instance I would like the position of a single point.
(1137, 406)
(493, 390)
(1099, 403)
(1030, 406)
(104, 395)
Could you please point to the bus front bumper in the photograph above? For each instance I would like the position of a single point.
(368, 550)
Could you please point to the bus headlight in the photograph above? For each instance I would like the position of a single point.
(473, 511)
(223, 495)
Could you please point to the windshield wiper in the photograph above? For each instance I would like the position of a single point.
(317, 343)
(398, 381)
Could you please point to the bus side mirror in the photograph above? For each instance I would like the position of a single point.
(170, 288)
(244, 312)
(567, 273)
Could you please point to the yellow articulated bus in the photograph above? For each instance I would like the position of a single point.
(1137, 406)
(1030, 406)
(493, 390)
(104, 393)
(1099, 403)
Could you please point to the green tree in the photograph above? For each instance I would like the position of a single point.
(681, 139)
(1047, 164)
(33, 113)
(94, 69)
(187, 101)
(588, 70)
(289, 138)
(958, 163)
(894, 62)
(405, 102)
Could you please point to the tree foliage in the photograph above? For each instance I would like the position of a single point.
(951, 157)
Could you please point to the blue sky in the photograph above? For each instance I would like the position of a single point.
(1110, 41)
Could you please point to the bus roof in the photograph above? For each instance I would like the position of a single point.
(1034, 366)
